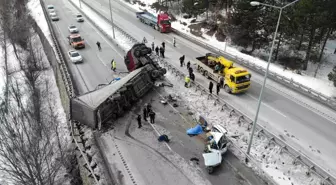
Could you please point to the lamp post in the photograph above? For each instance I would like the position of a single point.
(111, 19)
(80, 4)
(256, 3)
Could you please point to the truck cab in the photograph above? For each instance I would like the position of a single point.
(236, 79)
(76, 41)
(164, 23)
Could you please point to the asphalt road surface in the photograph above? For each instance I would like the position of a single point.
(155, 163)
(309, 130)
(96, 68)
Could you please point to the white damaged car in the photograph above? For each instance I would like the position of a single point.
(75, 57)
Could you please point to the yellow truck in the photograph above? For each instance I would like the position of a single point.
(236, 79)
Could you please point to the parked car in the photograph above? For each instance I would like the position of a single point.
(75, 57)
(50, 7)
(79, 18)
(73, 29)
(52, 12)
(54, 17)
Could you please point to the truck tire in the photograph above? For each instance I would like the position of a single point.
(205, 73)
(137, 53)
(163, 70)
(155, 74)
(227, 89)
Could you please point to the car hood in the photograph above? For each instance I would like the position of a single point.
(76, 58)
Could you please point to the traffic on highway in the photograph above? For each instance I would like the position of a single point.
(90, 59)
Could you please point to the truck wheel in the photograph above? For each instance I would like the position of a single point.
(137, 53)
(156, 27)
(205, 73)
(227, 89)
(210, 169)
(163, 70)
(155, 74)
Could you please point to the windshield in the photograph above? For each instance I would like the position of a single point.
(72, 27)
(74, 54)
(50, 7)
(166, 22)
(242, 79)
(79, 16)
(77, 39)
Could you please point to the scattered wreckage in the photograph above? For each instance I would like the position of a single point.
(217, 143)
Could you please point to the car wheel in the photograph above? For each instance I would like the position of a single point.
(210, 169)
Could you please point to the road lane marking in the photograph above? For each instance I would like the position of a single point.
(279, 112)
(97, 54)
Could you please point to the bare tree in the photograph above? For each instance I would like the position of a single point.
(31, 151)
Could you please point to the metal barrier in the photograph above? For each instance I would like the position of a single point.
(274, 76)
(326, 178)
(69, 87)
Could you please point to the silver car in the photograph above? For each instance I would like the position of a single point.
(54, 17)
(73, 29)
(75, 57)
(79, 18)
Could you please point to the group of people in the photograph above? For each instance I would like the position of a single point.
(191, 75)
(147, 112)
(159, 50)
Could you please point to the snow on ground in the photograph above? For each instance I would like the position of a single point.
(36, 12)
(274, 163)
(320, 84)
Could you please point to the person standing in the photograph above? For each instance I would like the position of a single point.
(98, 44)
(174, 42)
(145, 113)
(217, 88)
(190, 70)
(335, 51)
(162, 52)
(182, 60)
(188, 65)
(149, 108)
(157, 50)
(144, 40)
(221, 82)
(210, 87)
(153, 46)
(113, 65)
(139, 121)
(186, 81)
(164, 45)
(192, 76)
(152, 117)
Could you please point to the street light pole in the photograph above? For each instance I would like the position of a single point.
(80, 4)
(254, 3)
(111, 19)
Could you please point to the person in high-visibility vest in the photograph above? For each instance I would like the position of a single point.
(187, 81)
(114, 65)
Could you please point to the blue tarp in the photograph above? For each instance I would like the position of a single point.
(196, 130)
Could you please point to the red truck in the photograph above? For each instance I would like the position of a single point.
(160, 23)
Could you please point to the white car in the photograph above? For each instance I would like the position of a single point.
(73, 29)
(50, 7)
(54, 17)
(75, 57)
(79, 18)
(52, 13)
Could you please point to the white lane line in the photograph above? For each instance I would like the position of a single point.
(97, 54)
(279, 112)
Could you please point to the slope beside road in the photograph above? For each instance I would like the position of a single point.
(301, 126)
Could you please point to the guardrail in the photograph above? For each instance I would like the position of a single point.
(69, 88)
(274, 76)
(298, 157)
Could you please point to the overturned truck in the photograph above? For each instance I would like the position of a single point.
(110, 102)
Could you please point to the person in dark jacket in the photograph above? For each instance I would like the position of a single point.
(164, 45)
(162, 52)
(221, 82)
(157, 50)
(182, 60)
(139, 121)
(149, 108)
(152, 117)
(190, 70)
(192, 76)
(210, 87)
(188, 65)
(217, 88)
(145, 113)
(98, 44)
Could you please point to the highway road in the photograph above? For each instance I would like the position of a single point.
(298, 121)
(96, 70)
